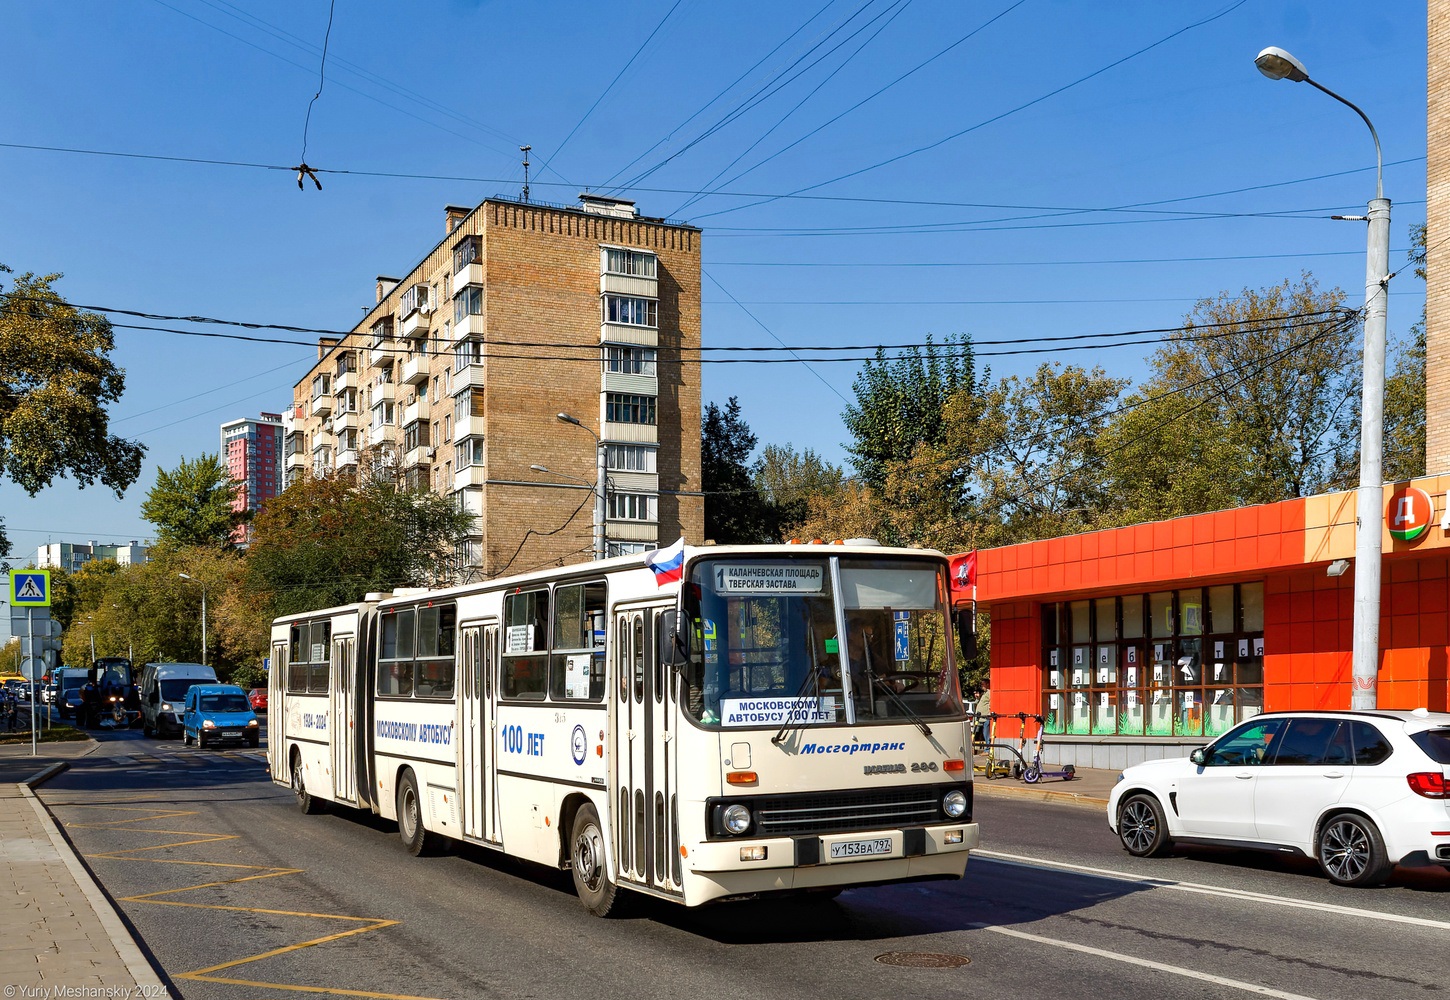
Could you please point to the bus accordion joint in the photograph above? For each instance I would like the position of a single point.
(954, 765)
(742, 778)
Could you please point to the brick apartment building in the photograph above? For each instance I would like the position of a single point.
(251, 450)
(454, 380)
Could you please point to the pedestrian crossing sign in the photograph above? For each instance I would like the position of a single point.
(30, 588)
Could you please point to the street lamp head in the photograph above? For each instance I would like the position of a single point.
(540, 468)
(1277, 64)
(569, 420)
(185, 576)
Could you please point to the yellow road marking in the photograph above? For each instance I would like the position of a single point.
(264, 872)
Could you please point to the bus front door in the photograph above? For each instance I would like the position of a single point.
(340, 725)
(644, 830)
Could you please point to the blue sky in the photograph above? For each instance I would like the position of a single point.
(453, 88)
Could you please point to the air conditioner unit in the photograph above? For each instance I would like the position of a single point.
(430, 453)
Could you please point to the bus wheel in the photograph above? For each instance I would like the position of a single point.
(591, 881)
(410, 816)
(305, 802)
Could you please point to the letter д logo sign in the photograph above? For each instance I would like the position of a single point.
(1409, 513)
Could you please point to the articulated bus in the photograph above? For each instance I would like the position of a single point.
(737, 722)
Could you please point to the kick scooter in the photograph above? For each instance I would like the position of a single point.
(1033, 772)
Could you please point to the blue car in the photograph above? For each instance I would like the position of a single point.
(218, 714)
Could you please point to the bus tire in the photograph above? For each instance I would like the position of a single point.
(596, 890)
(410, 816)
(306, 803)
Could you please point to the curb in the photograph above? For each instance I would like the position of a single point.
(142, 975)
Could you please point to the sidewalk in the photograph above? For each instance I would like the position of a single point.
(1089, 787)
(60, 928)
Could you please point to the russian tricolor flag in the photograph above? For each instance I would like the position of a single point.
(668, 564)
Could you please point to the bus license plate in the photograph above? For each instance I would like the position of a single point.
(861, 848)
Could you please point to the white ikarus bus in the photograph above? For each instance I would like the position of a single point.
(693, 724)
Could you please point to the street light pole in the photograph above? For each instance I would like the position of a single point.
(599, 485)
(1277, 64)
(193, 579)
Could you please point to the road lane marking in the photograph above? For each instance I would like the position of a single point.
(1200, 888)
(196, 837)
(1176, 970)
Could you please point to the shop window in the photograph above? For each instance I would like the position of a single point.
(1198, 670)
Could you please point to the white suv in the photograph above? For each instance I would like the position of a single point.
(1358, 791)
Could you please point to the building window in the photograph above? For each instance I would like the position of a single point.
(631, 310)
(413, 299)
(629, 360)
(628, 408)
(468, 452)
(383, 413)
(346, 362)
(633, 507)
(630, 457)
(630, 262)
(347, 401)
(468, 302)
(415, 435)
(613, 549)
(1172, 663)
(321, 386)
(465, 252)
(467, 404)
(382, 330)
(468, 352)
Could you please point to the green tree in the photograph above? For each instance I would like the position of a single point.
(900, 403)
(787, 480)
(323, 542)
(56, 380)
(193, 504)
(735, 510)
(1250, 402)
(1404, 407)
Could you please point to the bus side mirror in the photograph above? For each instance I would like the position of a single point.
(966, 626)
(672, 642)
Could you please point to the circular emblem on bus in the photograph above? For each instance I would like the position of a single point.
(1409, 513)
(579, 745)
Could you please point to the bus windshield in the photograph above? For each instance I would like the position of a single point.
(766, 647)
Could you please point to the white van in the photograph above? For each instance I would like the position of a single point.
(163, 692)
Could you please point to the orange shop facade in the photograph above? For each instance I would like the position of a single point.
(1142, 642)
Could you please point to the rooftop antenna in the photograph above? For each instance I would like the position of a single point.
(525, 151)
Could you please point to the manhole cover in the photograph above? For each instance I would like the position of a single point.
(923, 960)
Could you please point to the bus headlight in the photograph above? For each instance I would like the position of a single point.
(736, 819)
(954, 803)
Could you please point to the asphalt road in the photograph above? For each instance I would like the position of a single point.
(236, 894)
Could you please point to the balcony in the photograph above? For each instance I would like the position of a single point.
(384, 392)
(321, 406)
(382, 434)
(346, 420)
(343, 382)
(471, 325)
(415, 411)
(421, 455)
(382, 353)
(415, 370)
(346, 460)
(415, 324)
(469, 274)
(473, 475)
(471, 377)
(296, 461)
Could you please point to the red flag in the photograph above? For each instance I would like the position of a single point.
(964, 570)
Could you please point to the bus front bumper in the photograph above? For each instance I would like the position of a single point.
(861, 847)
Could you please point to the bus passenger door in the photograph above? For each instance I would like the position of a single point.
(468, 736)
(643, 751)
(487, 735)
(340, 725)
(277, 712)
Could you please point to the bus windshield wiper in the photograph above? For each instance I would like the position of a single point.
(812, 678)
(900, 703)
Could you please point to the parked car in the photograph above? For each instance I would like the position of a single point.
(1360, 792)
(218, 713)
(258, 698)
(48, 693)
